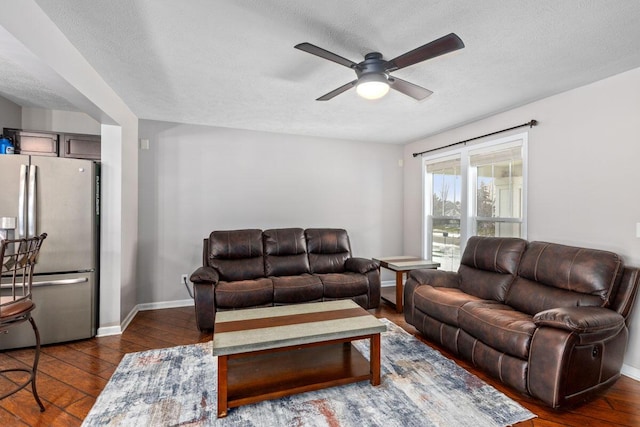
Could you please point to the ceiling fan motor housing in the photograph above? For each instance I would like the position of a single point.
(372, 64)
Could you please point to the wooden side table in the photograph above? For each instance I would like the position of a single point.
(402, 264)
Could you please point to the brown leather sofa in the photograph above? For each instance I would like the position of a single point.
(546, 319)
(254, 268)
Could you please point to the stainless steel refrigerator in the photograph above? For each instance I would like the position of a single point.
(60, 197)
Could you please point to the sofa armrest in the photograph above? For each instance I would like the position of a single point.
(580, 319)
(205, 275)
(204, 281)
(575, 353)
(590, 323)
(361, 265)
(424, 277)
(436, 278)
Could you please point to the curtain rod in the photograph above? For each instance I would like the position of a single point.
(532, 123)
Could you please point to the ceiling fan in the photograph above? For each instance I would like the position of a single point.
(373, 79)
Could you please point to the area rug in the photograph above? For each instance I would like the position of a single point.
(420, 387)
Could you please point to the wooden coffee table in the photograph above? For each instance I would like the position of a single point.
(268, 353)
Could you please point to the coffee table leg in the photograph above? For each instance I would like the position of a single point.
(222, 386)
(399, 291)
(374, 359)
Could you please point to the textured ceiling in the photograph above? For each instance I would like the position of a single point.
(232, 63)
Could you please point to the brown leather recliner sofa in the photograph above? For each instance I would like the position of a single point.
(548, 320)
(255, 268)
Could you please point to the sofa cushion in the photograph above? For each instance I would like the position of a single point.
(532, 297)
(244, 293)
(344, 285)
(486, 285)
(489, 265)
(285, 252)
(239, 269)
(328, 249)
(499, 326)
(587, 271)
(510, 370)
(237, 254)
(553, 276)
(295, 289)
(441, 303)
(499, 255)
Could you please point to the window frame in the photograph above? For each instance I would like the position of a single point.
(468, 191)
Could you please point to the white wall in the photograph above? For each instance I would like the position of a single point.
(583, 173)
(196, 179)
(10, 114)
(58, 121)
(127, 229)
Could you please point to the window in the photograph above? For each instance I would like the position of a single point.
(444, 222)
(498, 188)
(478, 190)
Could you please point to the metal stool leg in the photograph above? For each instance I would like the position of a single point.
(36, 359)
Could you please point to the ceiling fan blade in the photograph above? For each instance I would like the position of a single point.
(416, 92)
(444, 44)
(322, 53)
(338, 91)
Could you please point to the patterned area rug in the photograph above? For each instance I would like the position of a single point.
(420, 387)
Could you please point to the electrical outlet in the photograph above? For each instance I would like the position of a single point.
(184, 279)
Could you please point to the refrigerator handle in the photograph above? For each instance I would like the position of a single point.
(31, 202)
(22, 203)
(40, 284)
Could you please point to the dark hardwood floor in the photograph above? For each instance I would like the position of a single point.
(71, 376)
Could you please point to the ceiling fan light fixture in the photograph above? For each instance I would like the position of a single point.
(372, 86)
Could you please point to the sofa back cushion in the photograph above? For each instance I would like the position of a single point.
(489, 265)
(328, 249)
(285, 252)
(237, 254)
(553, 275)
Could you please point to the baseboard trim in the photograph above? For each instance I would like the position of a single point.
(386, 283)
(117, 330)
(631, 372)
(165, 304)
(125, 323)
(108, 331)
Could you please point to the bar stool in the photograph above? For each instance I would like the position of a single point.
(18, 259)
